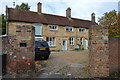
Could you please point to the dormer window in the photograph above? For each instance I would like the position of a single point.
(82, 30)
(53, 27)
(69, 29)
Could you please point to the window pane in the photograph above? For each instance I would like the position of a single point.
(38, 29)
(51, 41)
(55, 27)
(52, 27)
(82, 30)
(69, 29)
(47, 39)
(71, 41)
(81, 40)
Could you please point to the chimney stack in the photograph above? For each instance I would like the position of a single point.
(93, 17)
(68, 13)
(39, 7)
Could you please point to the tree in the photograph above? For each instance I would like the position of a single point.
(2, 25)
(23, 6)
(110, 19)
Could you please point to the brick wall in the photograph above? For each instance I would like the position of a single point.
(114, 53)
(0, 56)
(99, 54)
(20, 51)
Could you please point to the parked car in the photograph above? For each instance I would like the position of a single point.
(42, 50)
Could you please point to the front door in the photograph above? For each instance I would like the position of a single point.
(86, 44)
(64, 45)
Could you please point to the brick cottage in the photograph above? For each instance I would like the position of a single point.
(61, 32)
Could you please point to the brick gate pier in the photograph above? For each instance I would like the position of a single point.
(99, 52)
(19, 47)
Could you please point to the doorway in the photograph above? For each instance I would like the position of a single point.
(85, 44)
(64, 45)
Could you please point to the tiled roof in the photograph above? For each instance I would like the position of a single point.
(35, 17)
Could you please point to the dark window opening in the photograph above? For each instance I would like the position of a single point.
(18, 31)
(29, 31)
(23, 44)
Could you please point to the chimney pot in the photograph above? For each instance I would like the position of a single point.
(68, 12)
(39, 7)
(93, 17)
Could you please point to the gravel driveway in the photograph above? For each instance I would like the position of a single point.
(66, 64)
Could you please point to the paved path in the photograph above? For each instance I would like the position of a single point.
(66, 64)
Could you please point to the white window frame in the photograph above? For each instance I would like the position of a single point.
(53, 27)
(38, 38)
(69, 29)
(36, 28)
(71, 40)
(82, 29)
(51, 41)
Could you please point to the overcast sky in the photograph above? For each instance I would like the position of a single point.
(80, 8)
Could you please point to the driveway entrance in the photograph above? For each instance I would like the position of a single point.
(66, 64)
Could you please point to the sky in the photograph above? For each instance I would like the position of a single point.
(81, 9)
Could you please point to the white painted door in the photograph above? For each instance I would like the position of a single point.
(64, 45)
(85, 44)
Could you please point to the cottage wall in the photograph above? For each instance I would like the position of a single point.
(11, 27)
(61, 34)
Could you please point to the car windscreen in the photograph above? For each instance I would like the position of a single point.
(41, 44)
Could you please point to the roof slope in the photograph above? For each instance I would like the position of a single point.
(34, 17)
